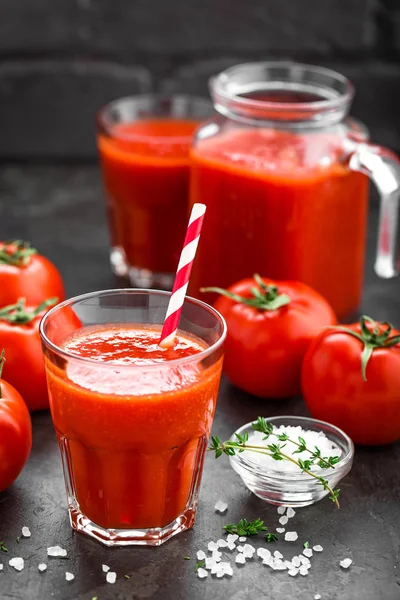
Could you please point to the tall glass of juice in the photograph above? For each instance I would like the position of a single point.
(132, 419)
(144, 143)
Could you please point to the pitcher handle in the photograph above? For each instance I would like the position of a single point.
(383, 168)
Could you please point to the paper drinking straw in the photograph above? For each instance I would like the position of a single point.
(177, 298)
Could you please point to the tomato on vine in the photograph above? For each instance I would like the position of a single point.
(15, 432)
(270, 326)
(19, 335)
(351, 378)
(26, 274)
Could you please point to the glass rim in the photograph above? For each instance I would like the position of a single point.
(136, 99)
(175, 362)
(219, 84)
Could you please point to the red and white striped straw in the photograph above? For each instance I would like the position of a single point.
(188, 253)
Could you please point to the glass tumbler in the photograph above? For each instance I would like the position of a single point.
(132, 436)
(143, 143)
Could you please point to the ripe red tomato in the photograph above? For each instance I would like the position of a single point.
(270, 326)
(15, 434)
(26, 274)
(366, 407)
(24, 368)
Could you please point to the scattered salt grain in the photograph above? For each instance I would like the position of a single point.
(111, 577)
(200, 556)
(231, 545)
(202, 573)
(220, 506)
(240, 548)
(283, 520)
(242, 538)
(317, 548)
(69, 576)
(263, 552)
(25, 532)
(291, 536)
(281, 510)
(303, 571)
(293, 572)
(290, 512)
(210, 562)
(248, 551)
(296, 561)
(42, 567)
(1, 567)
(345, 563)
(312, 438)
(231, 538)
(278, 554)
(278, 565)
(216, 555)
(317, 597)
(308, 552)
(240, 559)
(17, 563)
(222, 543)
(56, 551)
(305, 561)
(280, 530)
(212, 546)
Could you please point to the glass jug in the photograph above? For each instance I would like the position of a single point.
(284, 174)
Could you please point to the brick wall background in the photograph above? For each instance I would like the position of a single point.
(60, 60)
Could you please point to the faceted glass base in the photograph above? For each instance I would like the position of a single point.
(154, 536)
(139, 278)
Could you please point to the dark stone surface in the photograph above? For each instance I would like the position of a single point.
(127, 28)
(48, 108)
(61, 211)
(61, 60)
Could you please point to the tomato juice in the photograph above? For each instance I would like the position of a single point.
(283, 204)
(133, 421)
(145, 166)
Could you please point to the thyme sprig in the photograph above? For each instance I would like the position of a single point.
(276, 451)
(247, 528)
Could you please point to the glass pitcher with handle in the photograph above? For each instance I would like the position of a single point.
(284, 174)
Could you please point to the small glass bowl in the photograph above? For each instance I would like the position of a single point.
(292, 488)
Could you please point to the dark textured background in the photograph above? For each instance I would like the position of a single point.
(60, 60)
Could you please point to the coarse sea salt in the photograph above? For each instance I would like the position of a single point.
(106, 568)
(26, 532)
(17, 563)
(312, 439)
(242, 538)
(281, 510)
(283, 520)
(201, 573)
(308, 552)
(345, 563)
(291, 536)
(317, 597)
(69, 576)
(56, 551)
(280, 530)
(1, 567)
(317, 548)
(111, 577)
(290, 512)
(42, 567)
(220, 506)
(240, 559)
(200, 556)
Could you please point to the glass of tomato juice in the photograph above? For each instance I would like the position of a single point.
(144, 142)
(132, 419)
